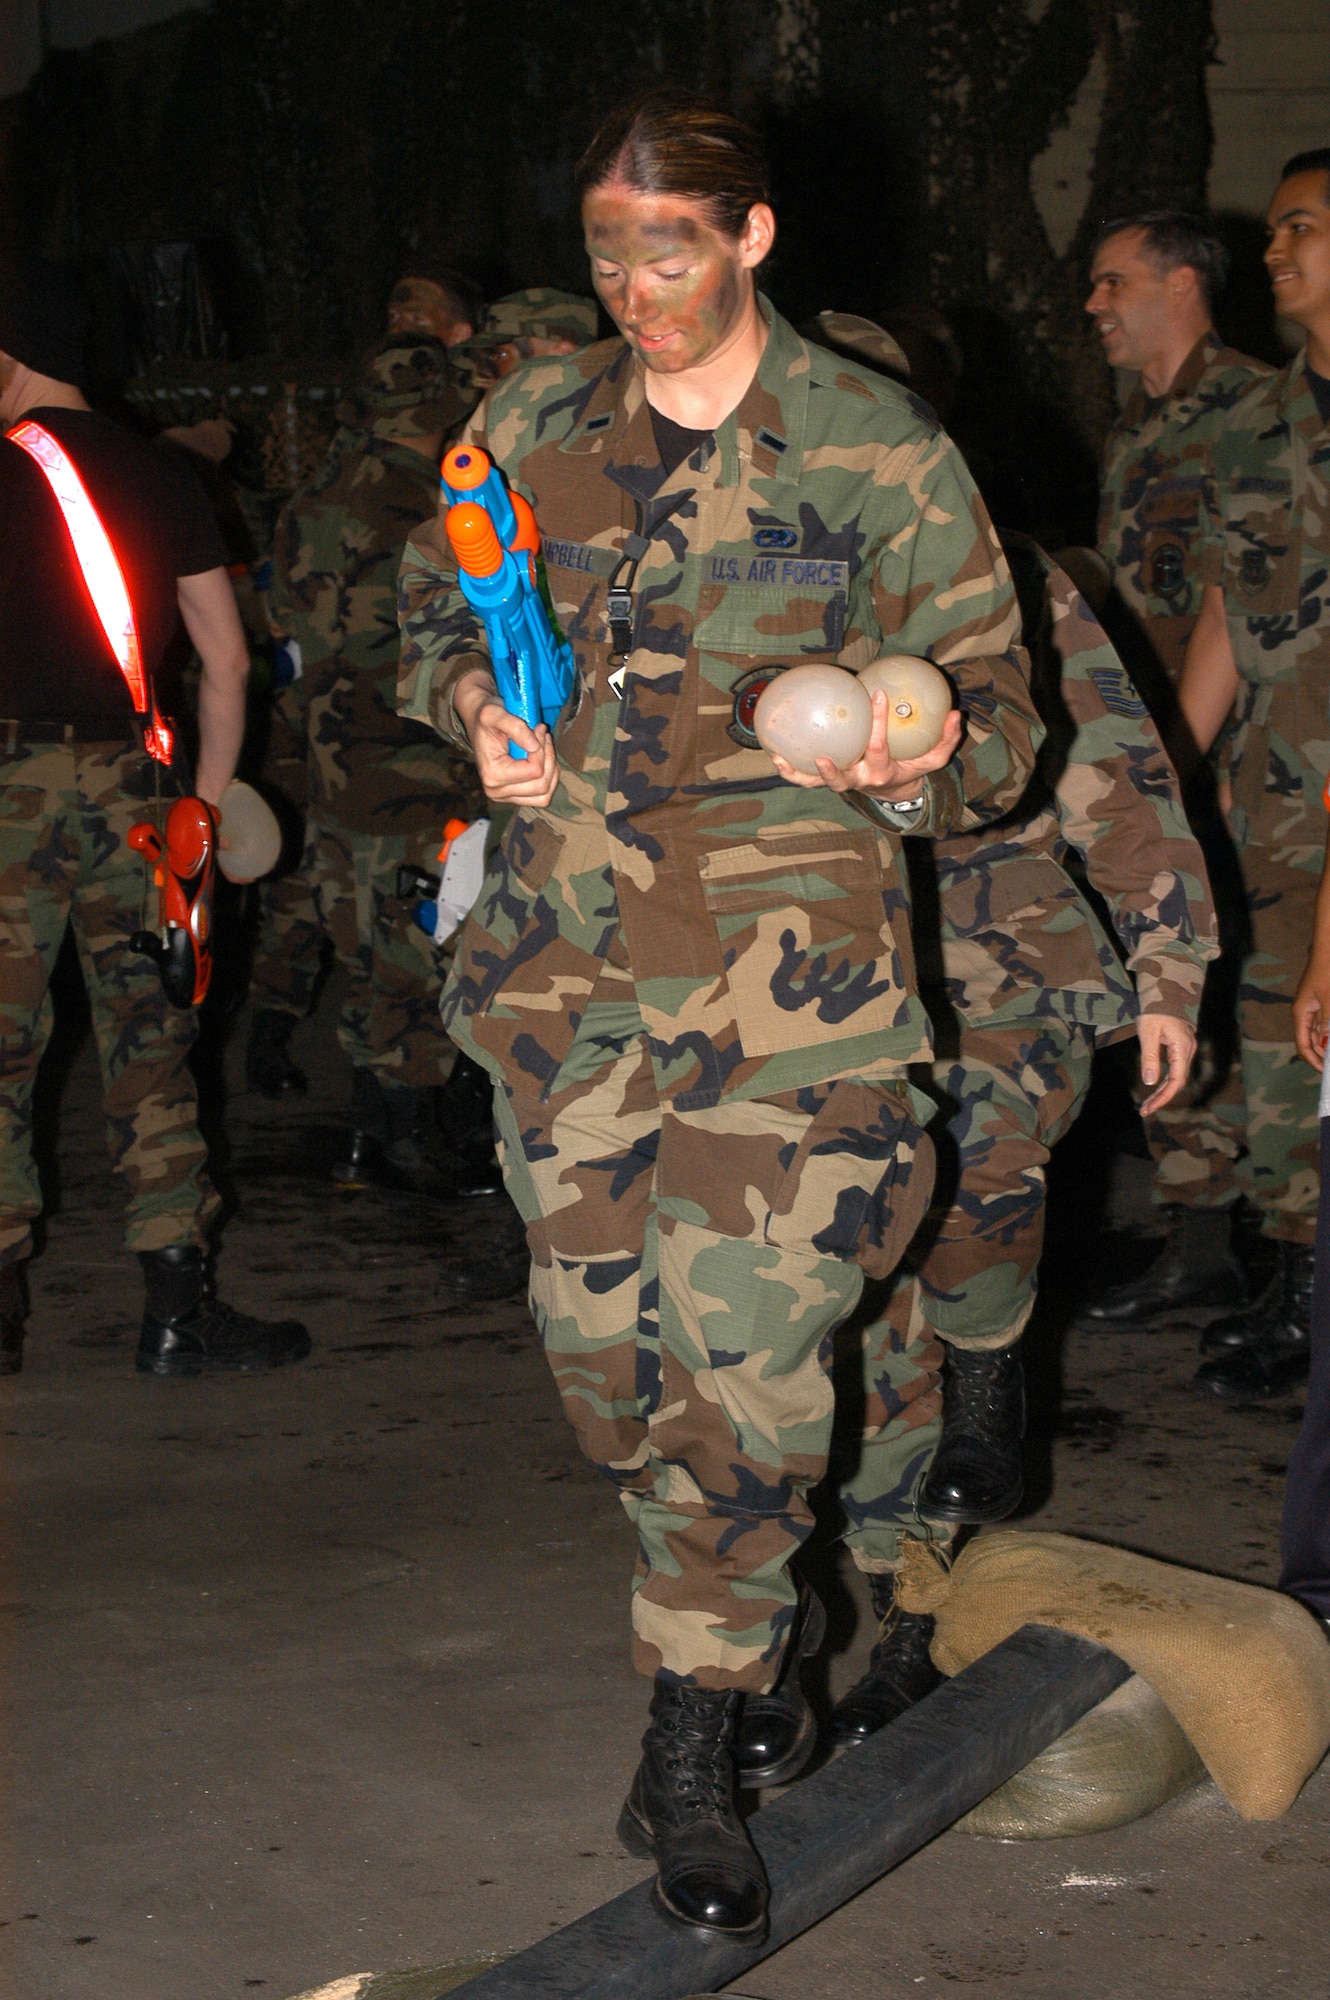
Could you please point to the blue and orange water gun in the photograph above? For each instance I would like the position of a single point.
(497, 543)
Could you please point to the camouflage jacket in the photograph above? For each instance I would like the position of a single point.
(1155, 463)
(1019, 940)
(1267, 543)
(765, 928)
(338, 545)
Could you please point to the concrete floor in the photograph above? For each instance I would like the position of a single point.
(326, 1673)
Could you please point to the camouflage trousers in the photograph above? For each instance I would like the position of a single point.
(346, 890)
(688, 1272)
(1198, 1140)
(64, 817)
(1281, 1172)
(1013, 1092)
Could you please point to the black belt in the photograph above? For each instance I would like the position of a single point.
(18, 731)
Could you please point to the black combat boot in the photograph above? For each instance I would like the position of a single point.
(1266, 1349)
(976, 1470)
(1195, 1270)
(188, 1331)
(386, 1146)
(900, 1672)
(777, 1732)
(500, 1271)
(466, 1122)
(13, 1313)
(268, 1065)
(681, 1813)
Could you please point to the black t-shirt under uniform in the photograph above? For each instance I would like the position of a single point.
(673, 441)
(56, 663)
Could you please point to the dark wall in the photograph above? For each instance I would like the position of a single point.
(312, 148)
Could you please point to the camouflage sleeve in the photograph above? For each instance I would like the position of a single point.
(441, 636)
(941, 589)
(1120, 808)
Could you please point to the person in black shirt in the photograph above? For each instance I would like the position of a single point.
(74, 777)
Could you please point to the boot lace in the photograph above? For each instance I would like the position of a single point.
(693, 1740)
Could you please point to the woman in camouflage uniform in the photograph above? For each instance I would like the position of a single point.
(691, 979)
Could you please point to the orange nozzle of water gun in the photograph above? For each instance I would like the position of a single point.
(528, 534)
(474, 538)
(464, 467)
(452, 829)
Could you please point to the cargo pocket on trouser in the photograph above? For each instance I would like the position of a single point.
(579, 1168)
(860, 1179)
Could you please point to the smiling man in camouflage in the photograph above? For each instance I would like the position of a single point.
(1263, 640)
(1154, 282)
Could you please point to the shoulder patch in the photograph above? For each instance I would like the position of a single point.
(1116, 692)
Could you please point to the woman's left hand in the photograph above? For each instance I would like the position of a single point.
(877, 772)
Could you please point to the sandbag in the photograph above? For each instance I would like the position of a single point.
(1245, 1672)
(426, 1982)
(1124, 1759)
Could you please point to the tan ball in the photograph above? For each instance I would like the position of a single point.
(249, 838)
(811, 712)
(919, 700)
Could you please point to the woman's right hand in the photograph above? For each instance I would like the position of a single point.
(508, 780)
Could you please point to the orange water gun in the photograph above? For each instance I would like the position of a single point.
(184, 870)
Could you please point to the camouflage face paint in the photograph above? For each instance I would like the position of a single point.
(675, 287)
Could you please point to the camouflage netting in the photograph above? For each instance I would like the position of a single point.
(310, 158)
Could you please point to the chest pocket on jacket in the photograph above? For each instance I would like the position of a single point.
(1262, 561)
(749, 626)
(1169, 519)
(1020, 927)
(807, 952)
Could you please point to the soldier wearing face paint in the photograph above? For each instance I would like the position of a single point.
(690, 973)
(1262, 641)
(1154, 281)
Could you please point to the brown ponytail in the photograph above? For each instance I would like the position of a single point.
(670, 142)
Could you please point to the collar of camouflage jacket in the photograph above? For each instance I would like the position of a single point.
(1297, 400)
(766, 431)
(1207, 351)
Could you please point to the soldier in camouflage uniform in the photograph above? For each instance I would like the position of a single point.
(692, 980)
(522, 326)
(1154, 281)
(433, 306)
(1262, 638)
(379, 787)
(1031, 986)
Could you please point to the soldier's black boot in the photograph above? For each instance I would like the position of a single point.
(13, 1315)
(466, 1121)
(1266, 1349)
(681, 1812)
(1194, 1271)
(405, 1164)
(500, 1271)
(268, 1065)
(368, 1134)
(976, 1470)
(777, 1732)
(187, 1330)
(900, 1672)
